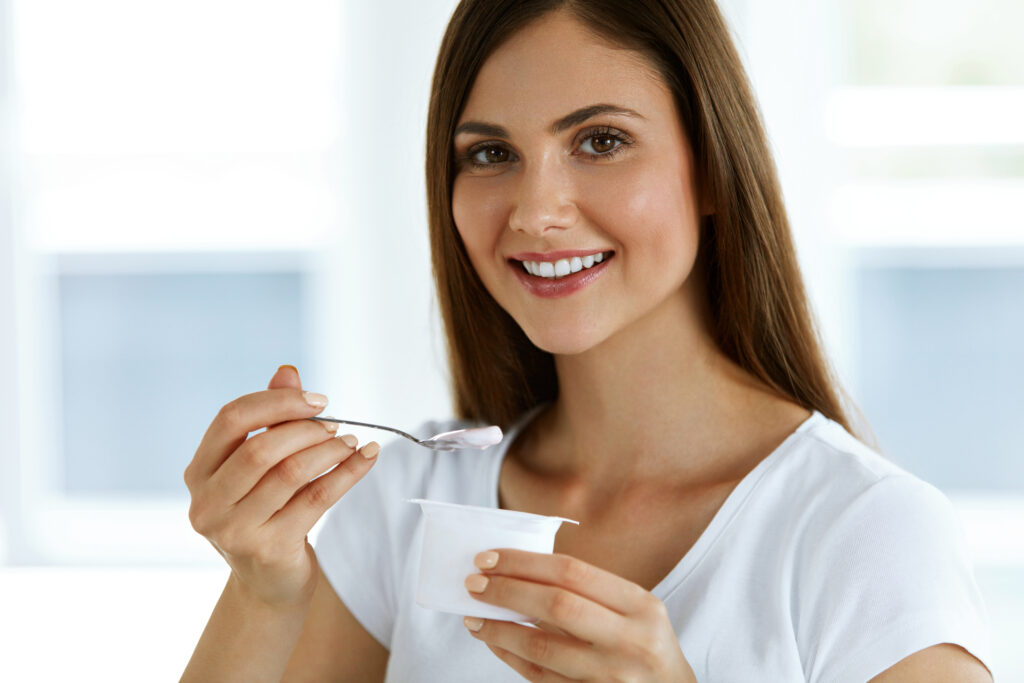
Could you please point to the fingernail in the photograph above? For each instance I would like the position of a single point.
(472, 623)
(486, 560)
(350, 440)
(288, 366)
(331, 427)
(370, 450)
(476, 583)
(316, 400)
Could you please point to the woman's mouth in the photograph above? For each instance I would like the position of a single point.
(555, 270)
(553, 279)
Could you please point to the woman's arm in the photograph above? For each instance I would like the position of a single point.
(333, 645)
(945, 663)
(255, 499)
(316, 642)
(245, 639)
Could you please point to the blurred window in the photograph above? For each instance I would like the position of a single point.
(147, 360)
(176, 178)
(939, 380)
(933, 42)
(927, 122)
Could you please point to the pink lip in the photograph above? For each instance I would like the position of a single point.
(563, 286)
(556, 255)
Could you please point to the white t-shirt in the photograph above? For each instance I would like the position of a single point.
(826, 563)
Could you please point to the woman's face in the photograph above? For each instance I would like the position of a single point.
(538, 174)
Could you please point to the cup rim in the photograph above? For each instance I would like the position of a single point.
(497, 512)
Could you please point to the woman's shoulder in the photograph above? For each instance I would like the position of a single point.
(825, 457)
(832, 491)
(843, 499)
(834, 447)
(880, 560)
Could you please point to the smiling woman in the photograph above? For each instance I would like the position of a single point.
(605, 178)
(641, 120)
(621, 295)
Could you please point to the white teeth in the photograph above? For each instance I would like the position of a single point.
(562, 267)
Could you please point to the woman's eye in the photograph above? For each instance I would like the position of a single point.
(485, 156)
(598, 145)
(601, 143)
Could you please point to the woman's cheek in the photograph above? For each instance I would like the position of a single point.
(625, 206)
(475, 211)
(650, 214)
(477, 220)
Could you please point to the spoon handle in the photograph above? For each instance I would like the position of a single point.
(366, 424)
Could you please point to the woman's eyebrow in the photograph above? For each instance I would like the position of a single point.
(568, 121)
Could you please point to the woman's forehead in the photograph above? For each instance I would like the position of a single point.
(556, 65)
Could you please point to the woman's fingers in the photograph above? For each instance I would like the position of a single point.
(294, 472)
(264, 453)
(533, 653)
(572, 613)
(286, 376)
(612, 628)
(309, 503)
(239, 484)
(557, 569)
(245, 414)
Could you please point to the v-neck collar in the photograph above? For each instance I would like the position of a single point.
(719, 522)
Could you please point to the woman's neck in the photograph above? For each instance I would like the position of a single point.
(657, 402)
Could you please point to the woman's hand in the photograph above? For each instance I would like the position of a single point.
(255, 499)
(594, 625)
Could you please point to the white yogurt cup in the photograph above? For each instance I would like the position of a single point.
(452, 537)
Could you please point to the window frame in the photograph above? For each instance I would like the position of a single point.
(54, 527)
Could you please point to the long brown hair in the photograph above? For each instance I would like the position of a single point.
(759, 308)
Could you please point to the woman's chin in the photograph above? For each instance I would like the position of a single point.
(563, 341)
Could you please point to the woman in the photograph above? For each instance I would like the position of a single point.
(620, 293)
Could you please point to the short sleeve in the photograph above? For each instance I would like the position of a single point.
(890, 576)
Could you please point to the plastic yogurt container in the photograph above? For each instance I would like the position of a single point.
(452, 537)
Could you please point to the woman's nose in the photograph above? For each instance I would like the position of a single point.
(545, 199)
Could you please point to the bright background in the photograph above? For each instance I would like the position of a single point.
(192, 193)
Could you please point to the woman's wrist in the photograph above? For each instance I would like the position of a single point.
(244, 595)
(247, 639)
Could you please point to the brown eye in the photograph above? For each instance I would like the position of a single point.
(485, 156)
(603, 143)
(496, 155)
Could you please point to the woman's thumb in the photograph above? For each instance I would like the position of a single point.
(285, 377)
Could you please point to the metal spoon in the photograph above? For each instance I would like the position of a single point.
(474, 437)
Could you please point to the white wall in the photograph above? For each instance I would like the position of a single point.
(378, 271)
